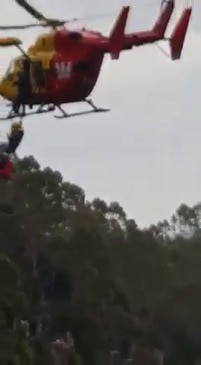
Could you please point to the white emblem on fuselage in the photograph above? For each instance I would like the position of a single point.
(64, 69)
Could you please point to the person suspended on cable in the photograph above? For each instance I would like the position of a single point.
(15, 137)
(23, 87)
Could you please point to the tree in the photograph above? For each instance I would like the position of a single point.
(68, 264)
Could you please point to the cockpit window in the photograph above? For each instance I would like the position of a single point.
(11, 68)
(15, 63)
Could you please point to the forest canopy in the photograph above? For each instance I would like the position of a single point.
(79, 267)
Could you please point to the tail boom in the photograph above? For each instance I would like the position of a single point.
(120, 41)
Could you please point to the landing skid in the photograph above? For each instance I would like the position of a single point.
(81, 113)
(95, 109)
(41, 110)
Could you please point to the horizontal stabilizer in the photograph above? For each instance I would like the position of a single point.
(178, 36)
(117, 34)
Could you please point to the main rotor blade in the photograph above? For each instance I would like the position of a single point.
(37, 15)
(31, 10)
(27, 26)
(53, 22)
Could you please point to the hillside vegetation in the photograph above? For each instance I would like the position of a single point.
(81, 270)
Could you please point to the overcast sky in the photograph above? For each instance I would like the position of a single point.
(146, 152)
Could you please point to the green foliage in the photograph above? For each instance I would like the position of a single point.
(67, 264)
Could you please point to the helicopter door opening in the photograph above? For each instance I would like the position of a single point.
(38, 75)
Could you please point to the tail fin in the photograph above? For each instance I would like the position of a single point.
(161, 24)
(117, 35)
(179, 34)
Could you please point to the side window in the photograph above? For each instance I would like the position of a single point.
(18, 63)
(81, 67)
(38, 74)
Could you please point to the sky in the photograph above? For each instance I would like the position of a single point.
(146, 152)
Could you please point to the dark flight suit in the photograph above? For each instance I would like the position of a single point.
(14, 140)
(23, 87)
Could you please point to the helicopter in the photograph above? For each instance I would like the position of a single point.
(65, 64)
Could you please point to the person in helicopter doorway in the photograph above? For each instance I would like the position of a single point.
(23, 87)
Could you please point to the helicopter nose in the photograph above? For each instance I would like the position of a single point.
(7, 90)
(1, 89)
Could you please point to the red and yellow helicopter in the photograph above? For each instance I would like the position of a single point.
(65, 64)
